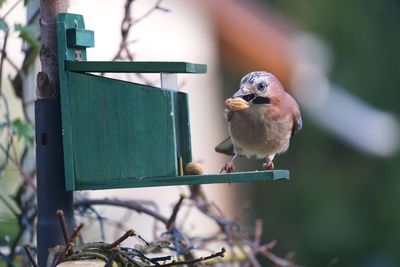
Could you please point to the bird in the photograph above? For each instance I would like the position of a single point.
(262, 118)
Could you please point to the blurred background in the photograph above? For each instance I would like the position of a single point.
(339, 59)
(342, 200)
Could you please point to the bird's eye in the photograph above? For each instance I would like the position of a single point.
(261, 86)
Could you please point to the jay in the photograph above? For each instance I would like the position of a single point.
(262, 118)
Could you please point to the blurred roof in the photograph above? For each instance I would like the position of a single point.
(264, 42)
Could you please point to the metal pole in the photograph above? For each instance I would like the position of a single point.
(51, 194)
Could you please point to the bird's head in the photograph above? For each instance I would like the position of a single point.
(260, 83)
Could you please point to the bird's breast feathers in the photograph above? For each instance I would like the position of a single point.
(261, 130)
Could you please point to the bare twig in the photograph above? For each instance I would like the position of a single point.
(11, 9)
(128, 233)
(141, 238)
(24, 220)
(275, 259)
(63, 224)
(6, 149)
(3, 57)
(16, 161)
(191, 262)
(14, 66)
(124, 52)
(171, 222)
(111, 258)
(64, 253)
(157, 6)
(9, 206)
(125, 28)
(76, 232)
(119, 203)
(242, 211)
(258, 229)
(27, 249)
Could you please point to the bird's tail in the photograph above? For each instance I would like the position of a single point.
(226, 147)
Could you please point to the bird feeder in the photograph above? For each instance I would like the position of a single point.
(119, 134)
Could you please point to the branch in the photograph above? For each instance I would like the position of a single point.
(23, 227)
(149, 12)
(11, 9)
(3, 57)
(191, 262)
(258, 230)
(275, 259)
(76, 232)
(122, 238)
(9, 206)
(171, 222)
(63, 224)
(119, 203)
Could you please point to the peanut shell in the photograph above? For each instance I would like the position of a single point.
(193, 168)
(236, 104)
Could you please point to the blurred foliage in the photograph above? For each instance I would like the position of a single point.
(24, 131)
(3, 25)
(341, 204)
(8, 221)
(29, 33)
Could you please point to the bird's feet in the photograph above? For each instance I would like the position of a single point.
(269, 165)
(228, 168)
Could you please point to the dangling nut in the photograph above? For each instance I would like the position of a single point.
(236, 104)
(194, 168)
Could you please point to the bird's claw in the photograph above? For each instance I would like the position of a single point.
(269, 165)
(228, 168)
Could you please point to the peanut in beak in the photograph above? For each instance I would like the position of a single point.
(236, 104)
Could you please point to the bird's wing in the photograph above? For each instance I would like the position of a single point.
(226, 147)
(297, 123)
(228, 115)
(296, 115)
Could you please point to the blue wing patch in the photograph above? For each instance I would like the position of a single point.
(297, 125)
(300, 123)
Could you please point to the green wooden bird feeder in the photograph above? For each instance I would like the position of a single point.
(118, 134)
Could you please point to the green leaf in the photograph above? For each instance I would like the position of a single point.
(2, 2)
(23, 130)
(29, 34)
(3, 25)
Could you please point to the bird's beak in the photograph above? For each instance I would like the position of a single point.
(242, 92)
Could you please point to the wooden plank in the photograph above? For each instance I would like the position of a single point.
(238, 177)
(120, 130)
(135, 66)
(184, 128)
(64, 22)
(80, 38)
